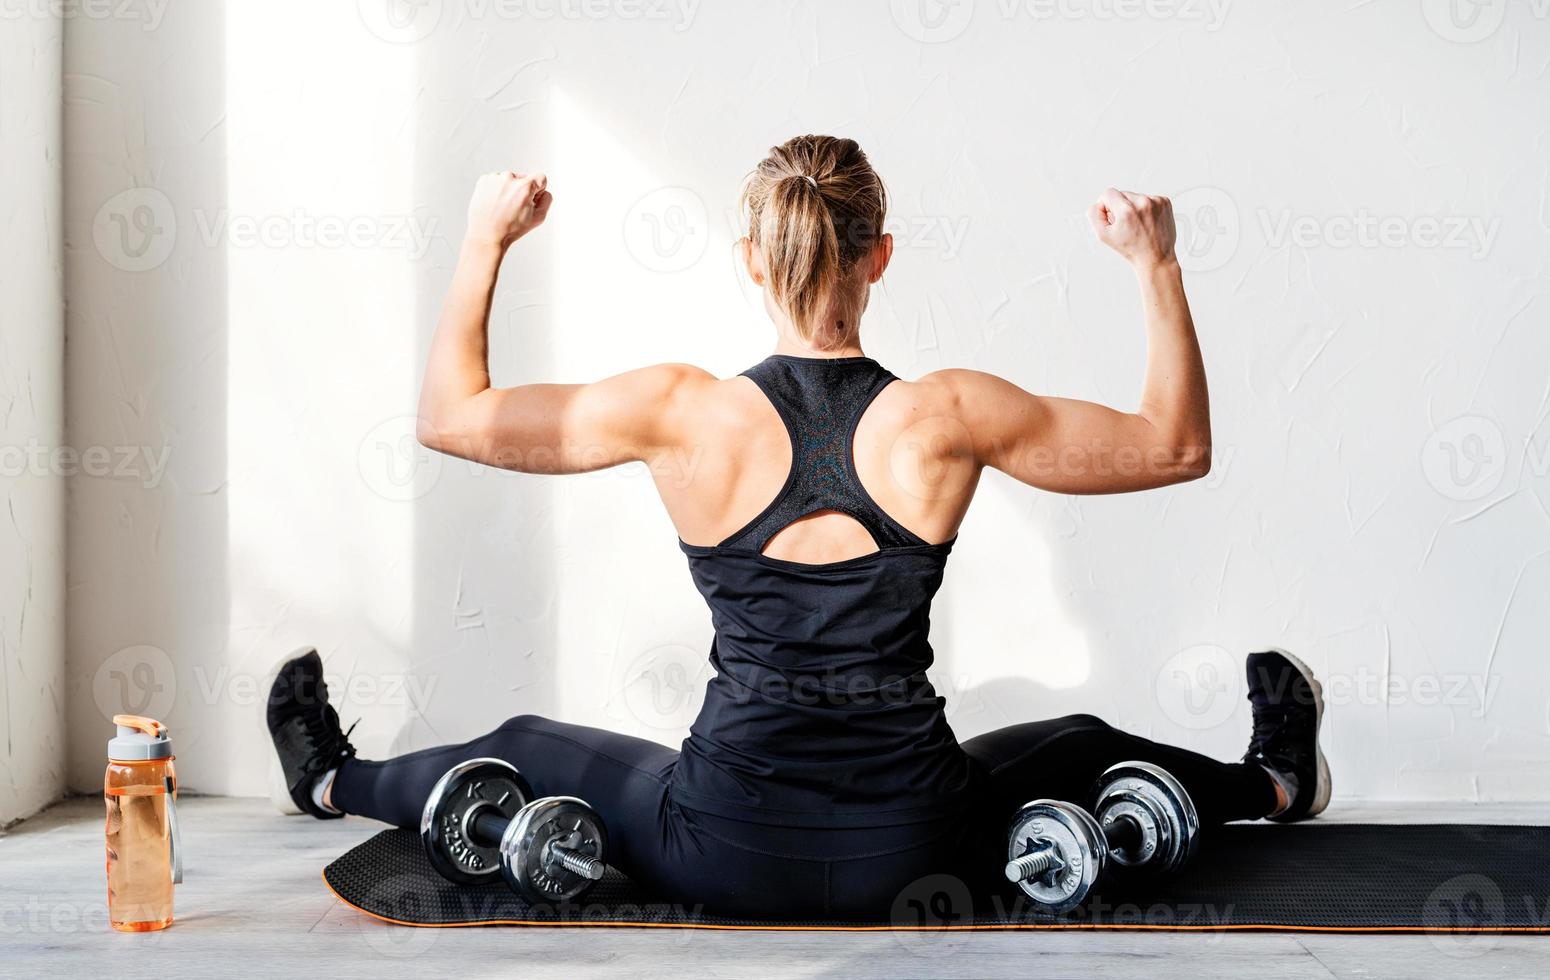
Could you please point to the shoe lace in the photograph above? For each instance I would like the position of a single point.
(1276, 727)
(330, 745)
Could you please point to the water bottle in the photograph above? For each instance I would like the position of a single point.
(140, 790)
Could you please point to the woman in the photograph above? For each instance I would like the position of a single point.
(821, 777)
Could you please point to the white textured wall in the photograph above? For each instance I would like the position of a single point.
(32, 485)
(1362, 191)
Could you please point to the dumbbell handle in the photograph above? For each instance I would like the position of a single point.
(1123, 832)
(488, 827)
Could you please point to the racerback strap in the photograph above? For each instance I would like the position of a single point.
(820, 400)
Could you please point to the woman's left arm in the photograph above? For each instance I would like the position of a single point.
(538, 428)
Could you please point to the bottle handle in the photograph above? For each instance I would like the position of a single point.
(141, 724)
(173, 836)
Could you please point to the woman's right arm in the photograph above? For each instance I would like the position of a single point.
(534, 428)
(1071, 446)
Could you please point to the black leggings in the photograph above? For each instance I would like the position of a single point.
(737, 867)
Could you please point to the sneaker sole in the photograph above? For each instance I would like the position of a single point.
(1324, 787)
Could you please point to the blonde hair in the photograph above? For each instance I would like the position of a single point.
(815, 208)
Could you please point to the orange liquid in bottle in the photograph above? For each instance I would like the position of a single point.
(139, 851)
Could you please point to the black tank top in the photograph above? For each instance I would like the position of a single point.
(820, 713)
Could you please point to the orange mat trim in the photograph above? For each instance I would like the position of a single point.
(987, 927)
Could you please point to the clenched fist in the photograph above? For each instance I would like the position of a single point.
(1137, 226)
(507, 205)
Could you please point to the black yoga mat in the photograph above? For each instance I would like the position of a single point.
(1337, 878)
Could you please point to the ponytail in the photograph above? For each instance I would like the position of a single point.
(816, 208)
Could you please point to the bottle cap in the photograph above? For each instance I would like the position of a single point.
(139, 739)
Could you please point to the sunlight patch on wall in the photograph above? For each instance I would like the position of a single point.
(640, 267)
(321, 239)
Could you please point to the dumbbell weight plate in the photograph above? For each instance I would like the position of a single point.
(1157, 801)
(446, 824)
(1078, 842)
(526, 861)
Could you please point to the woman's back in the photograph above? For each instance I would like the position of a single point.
(820, 709)
(910, 459)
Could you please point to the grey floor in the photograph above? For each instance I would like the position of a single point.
(253, 904)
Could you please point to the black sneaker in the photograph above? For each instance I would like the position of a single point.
(1288, 708)
(305, 729)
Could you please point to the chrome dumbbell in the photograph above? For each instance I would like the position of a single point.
(479, 821)
(1143, 820)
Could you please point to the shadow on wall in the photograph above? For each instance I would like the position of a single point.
(146, 384)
